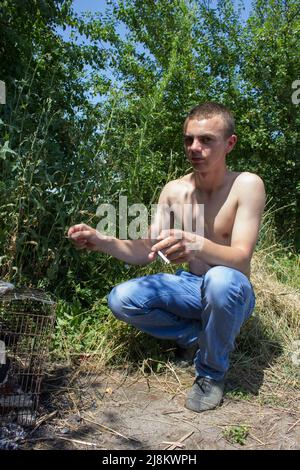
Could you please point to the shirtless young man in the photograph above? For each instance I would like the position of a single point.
(207, 305)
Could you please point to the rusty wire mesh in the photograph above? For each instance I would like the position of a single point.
(26, 323)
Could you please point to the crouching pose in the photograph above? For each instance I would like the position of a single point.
(202, 308)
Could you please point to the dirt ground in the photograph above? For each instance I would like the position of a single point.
(121, 411)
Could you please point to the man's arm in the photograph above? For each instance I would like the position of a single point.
(129, 251)
(85, 237)
(251, 201)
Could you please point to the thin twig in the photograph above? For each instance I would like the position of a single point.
(173, 372)
(256, 439)
(293, 425)
(76, 441)
(158, 421)
(42, 420)
(173, 445)
(109, 429)
(254, 446)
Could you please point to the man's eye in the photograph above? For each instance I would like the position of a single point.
(188, 140)
(206, 140)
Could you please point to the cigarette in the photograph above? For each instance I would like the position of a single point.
(163, 257)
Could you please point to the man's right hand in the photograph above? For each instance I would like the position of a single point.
(85, 237)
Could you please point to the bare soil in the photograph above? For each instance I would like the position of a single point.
(118, 410)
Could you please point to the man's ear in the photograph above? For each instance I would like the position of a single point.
(231, 141)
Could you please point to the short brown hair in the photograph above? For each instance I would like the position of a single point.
(208, 110)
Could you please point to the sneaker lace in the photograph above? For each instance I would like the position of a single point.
(203, 383)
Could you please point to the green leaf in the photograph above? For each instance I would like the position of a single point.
(5, 149)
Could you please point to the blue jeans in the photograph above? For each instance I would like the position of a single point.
(207, 310)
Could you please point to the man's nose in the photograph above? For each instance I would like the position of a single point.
(196, 145)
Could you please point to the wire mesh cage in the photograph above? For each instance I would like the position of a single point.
(26, 323)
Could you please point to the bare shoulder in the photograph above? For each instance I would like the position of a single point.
(247, 181)
(249, 178)
(176, 187)
(183, 182)
(250, 190)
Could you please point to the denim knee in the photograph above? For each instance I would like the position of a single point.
(220, 282)
(115, 302)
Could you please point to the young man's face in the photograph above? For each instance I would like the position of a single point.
(205, 143)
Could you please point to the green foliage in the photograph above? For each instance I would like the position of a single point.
(100, 115)
(47, 163)
(270, 119)
(236, 434)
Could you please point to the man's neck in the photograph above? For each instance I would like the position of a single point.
(210, 182)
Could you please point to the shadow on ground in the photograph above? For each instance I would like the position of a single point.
(255, 353)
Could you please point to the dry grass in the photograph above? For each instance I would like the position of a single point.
(272, 337)
(279, 303)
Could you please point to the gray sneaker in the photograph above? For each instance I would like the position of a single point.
(205, 394)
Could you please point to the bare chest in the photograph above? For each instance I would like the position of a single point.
(212, 217)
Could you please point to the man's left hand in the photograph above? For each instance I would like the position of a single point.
(177, 245)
